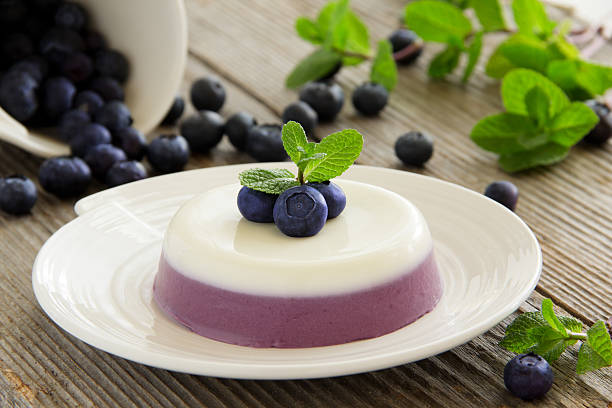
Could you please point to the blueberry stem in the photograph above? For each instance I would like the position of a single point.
(300, 176)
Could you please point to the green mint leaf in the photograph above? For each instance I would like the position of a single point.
(572, 123)
(498, 65)
(358, 37)
(314, 66)
(538, 105)
(560, 48)
(551, 343)
(294, 141)
(546, 154)
(531, 18)
(384, 70)
(308, 30)
(436, 21)
(332, 24)
(524, 332)
(473, 52)
(596, 352)
(341, 149)
(489, 13)
(549, 315)
(445, 62)
(302, 163)
(580, 79)
(571, 324)
(519, 82)
(526, 52)
(503, 132)
(271, 181)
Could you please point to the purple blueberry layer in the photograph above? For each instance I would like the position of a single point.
(295, 322)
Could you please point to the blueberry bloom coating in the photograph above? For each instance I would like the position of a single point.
(300, 211)
(528, 376)
(256, 206)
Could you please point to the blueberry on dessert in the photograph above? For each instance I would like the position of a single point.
(207, 94)
(256, 206)
(300, 211)
(414, 148)
(334, 197)
(528, 376)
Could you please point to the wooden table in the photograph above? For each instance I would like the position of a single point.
(252, 46)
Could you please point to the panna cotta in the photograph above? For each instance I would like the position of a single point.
(369, 272)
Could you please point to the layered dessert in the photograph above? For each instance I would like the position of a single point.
(369, 272)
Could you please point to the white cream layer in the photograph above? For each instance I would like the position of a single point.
(379, 236)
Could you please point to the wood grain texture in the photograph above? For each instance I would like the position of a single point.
(251, 46)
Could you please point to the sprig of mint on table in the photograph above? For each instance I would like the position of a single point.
(549, 335)
(316, 162)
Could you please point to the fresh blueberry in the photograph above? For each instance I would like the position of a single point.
(414, 148)
(88, 101)
(15, 47)
(370, 98)
(77, 67)
(504, 192)
(108, 88)
(88, 136)
(114, 116)
(59, 43)
(168, 153)
(325, 98)
(125, 172)
(334, 197)
(34, 65)
(58, 95)
(237, 129)
(603, 129)
(64, 176)
(94, 41)
(71, 15)
(407, 46)
(71, 122)
(18, 95)
(203, 130)
(332, 73)
(207, 94)
(17, 195)
(100, 158)
(528, 376)
(300, 211)
(302, 113)
(113, 64)
(256, 206)
(175, 111)
(265, 143)
(132, 142)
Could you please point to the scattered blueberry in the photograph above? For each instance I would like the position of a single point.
(71, 15)
(64, 176)
(237, 129)
(265, 143)
(77, 67)
(71, 122)
(88, 101)
(175, 111)
(302, 113)
(203, 130)
(94, 41)
(207, 94)
(58, 95)
(35, 66)
(101, 157)
(528, 376)
(370, 98)
(325, 98)
(256, 206)
(504, 192)
(113, 64)
(17, 195)
(168, 153)
(414, 148)
(300, 211)
(108, 88)
(114, 116)
(58, 43)
(18, 95)
(132, 142)
(125, 172)
(15, 47)
(603, 129)
(407, 46)
(88, 136)
(334, 197)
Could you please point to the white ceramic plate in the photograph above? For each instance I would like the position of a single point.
(94, 278)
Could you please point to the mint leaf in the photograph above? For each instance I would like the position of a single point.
(294, 138)
(303, 162)
(531, 18)
(596, 352)
(436, 21)
(526, 52)
(571, 324)
(518, 82)
(560, 48)
(314, 66)
(308, 30)
(341, 149)
(489, 13)
(546, 154)
(501, 133)
(384, 70)
(271, 181)
(498, 65)
(473, 52)
(445, 62)
(335, 32)
(572, 123)
(523, 332)
(580, 79)
(358, 38)
(551, 343)
(549, 315)
(537, 104)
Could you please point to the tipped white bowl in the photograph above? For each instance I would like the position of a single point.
(153, 36)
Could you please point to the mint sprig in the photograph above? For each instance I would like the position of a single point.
(316, 162)
(549, 335)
